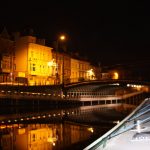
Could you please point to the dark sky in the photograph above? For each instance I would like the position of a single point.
(109, 32)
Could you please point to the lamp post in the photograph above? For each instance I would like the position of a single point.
(60, 38)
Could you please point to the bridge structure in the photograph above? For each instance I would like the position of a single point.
(85, 93)
(107, 92)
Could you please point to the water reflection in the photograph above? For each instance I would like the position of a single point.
(42, 136)
(57, 129)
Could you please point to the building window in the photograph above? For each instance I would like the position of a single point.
(33, 137)
(33, 67)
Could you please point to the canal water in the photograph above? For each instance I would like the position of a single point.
(57, 128)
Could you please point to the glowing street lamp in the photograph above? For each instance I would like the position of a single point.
(61, 38)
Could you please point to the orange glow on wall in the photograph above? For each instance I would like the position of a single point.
(21, 74)
(115, 75)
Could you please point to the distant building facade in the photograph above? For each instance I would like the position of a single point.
(33, 62)
(63, 67)
(74, 70)
(84, 67)
(6, 58)
(28, 61)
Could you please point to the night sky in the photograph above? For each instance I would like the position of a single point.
(109, 32)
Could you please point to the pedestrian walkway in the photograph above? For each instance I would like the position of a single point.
(131, 133)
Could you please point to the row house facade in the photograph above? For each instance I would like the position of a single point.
(74, 70)
(82, 70)
(63, 67)
(30, 62)
(84, 67)
(6, 59)
(33, 62)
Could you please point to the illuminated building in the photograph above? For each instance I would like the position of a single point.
(6, 58)
(64, 67)
(34, 62)
(74, 70)
(40, 65)
(84, 66)
(27, 61)
(82, 70)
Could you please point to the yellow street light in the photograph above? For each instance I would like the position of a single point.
(60, 38)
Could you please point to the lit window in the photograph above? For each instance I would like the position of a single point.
(33, 137)
(32, 67)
